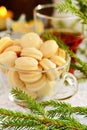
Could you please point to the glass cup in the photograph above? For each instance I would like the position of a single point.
(54, 83)
(67, 27)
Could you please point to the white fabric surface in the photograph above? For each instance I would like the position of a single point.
(79, 99)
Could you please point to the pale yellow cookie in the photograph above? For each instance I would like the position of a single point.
(50, 68)
(47, 64)
(47, 90)
(32, 52)
(15, 48)
(31, 76)
(58, 60)
(26, 63)
(36, 86)
(31, 39)
(8, 58)
(62, 53)
(49, 48)
(14, 80)
(4, 43)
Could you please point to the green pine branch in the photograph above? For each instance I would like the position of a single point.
(58, 117)
(67, 6)
(19, 119)
(82, 6)
(62, 108)
(33, 105)
(79, 64)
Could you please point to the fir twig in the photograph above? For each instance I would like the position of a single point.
(82, 66)
(54, 103)
(78, 67)
(64, 108)
(83, 51)
(67, 6)
(19, 120)
(28, 101)
(82, 6)
(39, 123)
(62, 119)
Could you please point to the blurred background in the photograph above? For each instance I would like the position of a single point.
(13, 9)
(22, 6)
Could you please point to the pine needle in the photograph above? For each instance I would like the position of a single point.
(58, 118)
(28, 101)
(67, 6)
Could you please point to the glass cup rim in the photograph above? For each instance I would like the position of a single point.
(43, 71)
(65, 15)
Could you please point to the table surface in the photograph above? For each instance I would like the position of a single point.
(79, 99)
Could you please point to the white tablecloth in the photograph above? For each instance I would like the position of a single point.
(79, 99)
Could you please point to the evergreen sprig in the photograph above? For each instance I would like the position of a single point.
(79, 64)
(19, 119)
(82, 6)
(33, 105)
(67, 6)
(59, 116)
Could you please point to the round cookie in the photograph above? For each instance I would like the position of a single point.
(32, 52)
(14, 80)
(36, 86)
(50, 68)
(31, 76)
(31, 39)
(8, 58)
(58, 60)
(15, 48)
(46, 91)
(62, 53)
(4, 43)
(49, 48)
(26, 63)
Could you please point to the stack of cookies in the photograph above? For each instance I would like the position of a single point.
(31, 63)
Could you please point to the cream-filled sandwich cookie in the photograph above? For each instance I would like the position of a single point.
(47, 90)
(50, 68)
(36, 86)
(58, 60)
(49, 48)
(15, 48)
(62, 53)
(14, 80)
(31, 76)
(8, 58)
(31, 39)
(26, 63)
(32, 52)
(4, 43)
